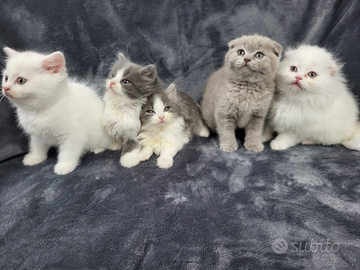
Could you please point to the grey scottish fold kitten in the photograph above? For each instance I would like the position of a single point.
(239, 94)
(128, 87)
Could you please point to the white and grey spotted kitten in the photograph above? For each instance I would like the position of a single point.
(169, 120)
(128, 87)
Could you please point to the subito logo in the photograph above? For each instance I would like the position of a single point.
(280, 246)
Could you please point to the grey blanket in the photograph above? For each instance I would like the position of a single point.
(293, 209)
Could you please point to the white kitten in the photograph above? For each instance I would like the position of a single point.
(128, 86)
(169, 119)
(313, 104)
(53, 110)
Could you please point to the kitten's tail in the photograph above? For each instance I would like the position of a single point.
(354, 142)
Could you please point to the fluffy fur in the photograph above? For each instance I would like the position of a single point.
(169, 119)
(240, 93)
(52, 109)
(313, 104)
(128, 87)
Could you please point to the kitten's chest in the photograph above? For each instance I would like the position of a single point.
(245, 101)
(37, 124)
(122, 119)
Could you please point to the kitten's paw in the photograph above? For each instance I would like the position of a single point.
(164, 162)
(278, 145)
(64, 168)
(115, 146)
(204, 132)
(308, 142)
(98, 150)
(129, 160)
(145, 155)
(254, 147)
(228, 148)
(30, 159)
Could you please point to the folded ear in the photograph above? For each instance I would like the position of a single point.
(231, 44)
(171, 92)
(277, 49)
(149, 72)
(10, 52)
(53, 62)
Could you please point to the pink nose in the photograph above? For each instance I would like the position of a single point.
(161, 118)
(298, 78)
(247, 60)
(112, 83)
(6, 89)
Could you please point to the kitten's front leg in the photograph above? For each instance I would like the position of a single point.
(166, 158)
(253, 135)
(284, 140)
(38, 152)
(226, 130)
(145, 153)
(69, 154)
(129, 155)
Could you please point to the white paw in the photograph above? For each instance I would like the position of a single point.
(204, 132)
(98, 150)
(30, 160)
(129, 160)
(144, 155)
(278, 145)
(164, 162)
(115, 146)
(64, 168)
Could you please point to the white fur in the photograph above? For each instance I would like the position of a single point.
(163, 139)
(54, 111)
(321, 110)
(122, 117)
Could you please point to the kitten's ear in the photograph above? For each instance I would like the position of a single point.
(277, 49)
(171, 92)
(122, 58)
(10, 52)
(53, 62)
(149, 72)
(231, 44)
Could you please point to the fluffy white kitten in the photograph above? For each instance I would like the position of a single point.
(52, 109)
(169, 120)
(313, 104)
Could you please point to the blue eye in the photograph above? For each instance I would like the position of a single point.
(125, 81)
(112, 75)
(167, 109)
(150, 111)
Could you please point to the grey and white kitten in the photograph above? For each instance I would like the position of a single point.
(169, 119)
(128, 87)
(239, 94)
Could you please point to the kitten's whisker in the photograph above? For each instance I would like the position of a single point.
(2, 98)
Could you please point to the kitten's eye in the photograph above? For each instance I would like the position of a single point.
(150, 111)
(312, 74)
(6, 78)
(167, 109)
(112, 76)
(293, 68)
(259, 55)
(21, 81)
(240, 52)
(125, 81)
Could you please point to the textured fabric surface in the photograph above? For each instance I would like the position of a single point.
(294, 209)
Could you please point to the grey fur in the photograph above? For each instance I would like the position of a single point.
(239, 96)
(181, 105)
(143, 80)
